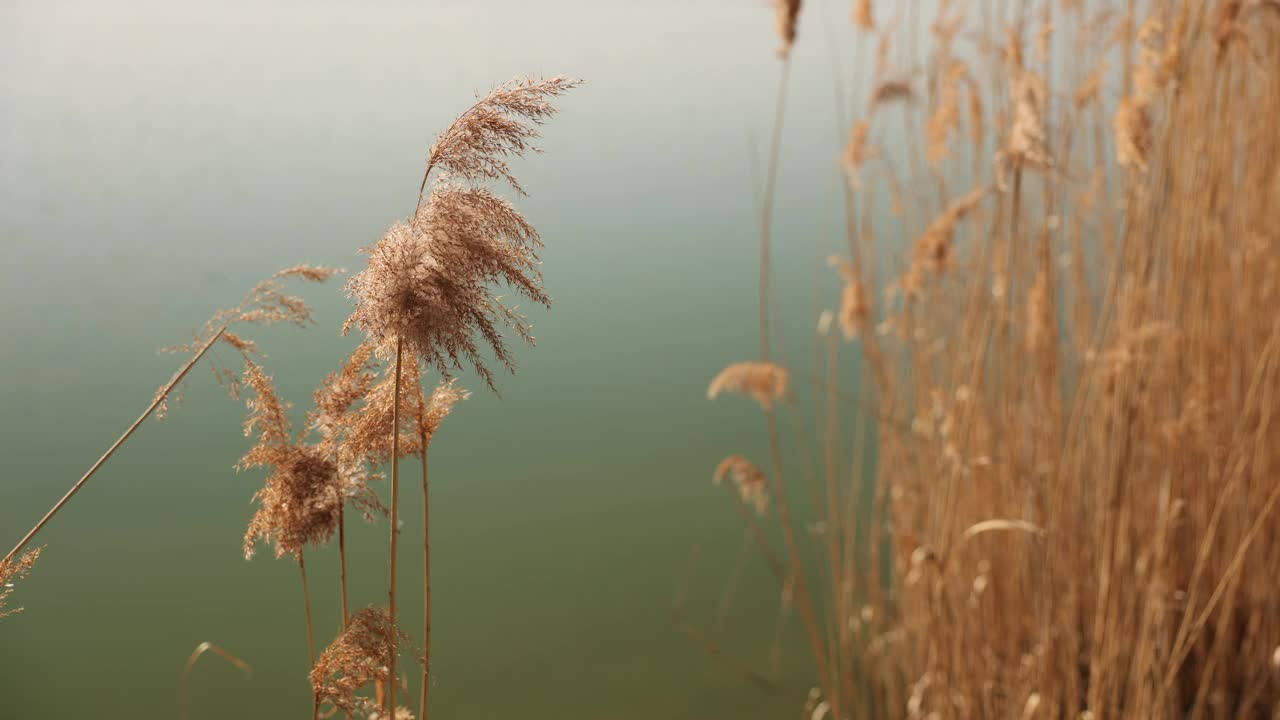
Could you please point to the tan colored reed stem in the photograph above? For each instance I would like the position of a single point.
(160, 397)
(426, 587)
(803, 600)
(766, 210)
(342, 562)
(395, 530)
(311, 636)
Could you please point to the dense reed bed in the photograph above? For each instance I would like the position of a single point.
(427, 307)
(1054, 494)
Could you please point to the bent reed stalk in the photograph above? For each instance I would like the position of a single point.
(156, 402)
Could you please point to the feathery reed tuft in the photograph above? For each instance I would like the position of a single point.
(787, 13)
(933, 247)
(863, 15)
(355, 659)
(428, 279)
(763, 382)
(747, 479)
(300, 503)
(503, 124)
(12, 571)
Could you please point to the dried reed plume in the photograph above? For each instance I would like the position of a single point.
(855, 308)
(300, 501)
(12, 571)
(763, 382)
(747, 479)
(863, 16)
(1027, 145)
(858, 149)
(437, 407)
(356, 659)
(946, 116)
(787, 13)
(933, 248)
(891, 91)
(428, 279)
(340, 394)
(1088, 89)
(368, 431)
(1133, 133)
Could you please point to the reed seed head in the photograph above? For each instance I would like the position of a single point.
(863, 15)
(12, 571)
(355, 659)
(747, 479)
(429, 279)
(763, 382)
(787, 13)
(301, 501)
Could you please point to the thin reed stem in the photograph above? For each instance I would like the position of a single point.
(342, 562)
(426, 586)
(395, 522)
(766, 209)
(311, 636)
(803, 599)
(155, 403)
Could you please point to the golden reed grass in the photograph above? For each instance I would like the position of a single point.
(1073, 380)
(425, 302)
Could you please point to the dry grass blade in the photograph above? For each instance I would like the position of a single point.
(987, 526)
(201, 649)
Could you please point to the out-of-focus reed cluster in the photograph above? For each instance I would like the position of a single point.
(1061, 293)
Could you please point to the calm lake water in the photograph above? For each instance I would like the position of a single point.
(157, 159)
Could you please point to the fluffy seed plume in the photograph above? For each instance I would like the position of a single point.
(747, 479)
(1039, 313)
(858, 150)
(10, 572)
(946, 116)
(863, 16)
(300, 501)
(1088, 90)
(429, 280)
(933, 247)
(266, 304)
(855, 309)
(786, 13)
(368, 430)
(763, 382)
(891, 91)
(501, 125)
(341, 392)
(437, 407)
(355, 659)
(1026, 146)
(1133, 133)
